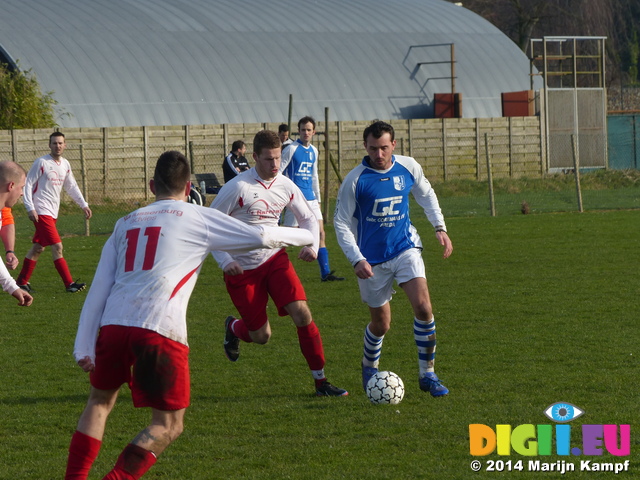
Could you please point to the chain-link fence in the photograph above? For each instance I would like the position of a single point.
(623, 97)
(114, 176)
(519, 184)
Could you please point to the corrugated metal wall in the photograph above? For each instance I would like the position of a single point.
(114, 63)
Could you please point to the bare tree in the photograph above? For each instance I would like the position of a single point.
(521, 20)
(516, 18)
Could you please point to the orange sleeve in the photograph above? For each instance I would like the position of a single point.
(7, 216)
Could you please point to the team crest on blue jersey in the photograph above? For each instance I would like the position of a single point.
(398, 182)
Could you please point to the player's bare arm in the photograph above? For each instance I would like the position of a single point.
(444, 240)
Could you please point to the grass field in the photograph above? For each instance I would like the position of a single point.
(531, 310)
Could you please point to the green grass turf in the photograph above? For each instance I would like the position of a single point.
(531, 310)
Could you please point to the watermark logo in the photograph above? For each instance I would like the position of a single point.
(547, 439)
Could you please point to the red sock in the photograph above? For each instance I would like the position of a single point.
(133, 463)
(311, 346)
(240, 330)
(28, 266)
(82, 453)
(63, 270)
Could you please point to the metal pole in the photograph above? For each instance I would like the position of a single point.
(225, 139)
(444, 150)
(575, 63)
(105, 160)
(492, 202)
(191, 158)
(145, 149)
(605, 103)
(478, 154)
(531, 60)
(327, 162)
(453, 68)
(546, 105)
(410, 127)
(576, 167)
(83, 168)
(339, 148)
(510, 147)
(14, 145)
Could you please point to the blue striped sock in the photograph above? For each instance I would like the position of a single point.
(372, 349)
(425, 336)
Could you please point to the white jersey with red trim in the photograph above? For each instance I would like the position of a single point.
(44, 184)
(149, 266)
(255, 201)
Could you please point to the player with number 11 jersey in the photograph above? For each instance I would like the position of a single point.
(150, 264)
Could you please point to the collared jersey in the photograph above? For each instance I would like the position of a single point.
(255, 201)
(372, 212)
(44, 184)
(149, 266)
(300, 164)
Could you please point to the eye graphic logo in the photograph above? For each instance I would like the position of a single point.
(562, 412)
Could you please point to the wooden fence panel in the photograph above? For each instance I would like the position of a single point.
(119, 160)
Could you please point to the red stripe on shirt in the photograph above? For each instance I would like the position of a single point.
(183, 281)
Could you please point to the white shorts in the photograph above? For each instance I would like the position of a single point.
(378, 290)
(290, 220)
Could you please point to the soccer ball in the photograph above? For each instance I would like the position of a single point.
(385, 388)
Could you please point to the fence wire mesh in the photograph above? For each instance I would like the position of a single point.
(114, 177)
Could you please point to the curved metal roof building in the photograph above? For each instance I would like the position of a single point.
(188, 62)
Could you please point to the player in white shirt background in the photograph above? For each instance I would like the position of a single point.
(12, 180)
(300, 163)
(46, 179)
(375, 232)
(133, 327)
(258, 197)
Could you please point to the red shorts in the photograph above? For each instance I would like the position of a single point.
(250, 291)
(155, 367)
(46, 231)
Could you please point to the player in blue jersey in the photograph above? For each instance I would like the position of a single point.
(375, 232)
(300, 163)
